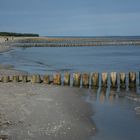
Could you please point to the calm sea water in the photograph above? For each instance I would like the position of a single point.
(89, 59)
(115, 116)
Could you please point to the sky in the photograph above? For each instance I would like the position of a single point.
(71, 17)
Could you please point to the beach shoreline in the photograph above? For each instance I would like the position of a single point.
(39, 111)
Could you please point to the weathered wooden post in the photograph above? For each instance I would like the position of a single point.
(95, 80)
(113, 79)
(122, 80)
(132, 79)
(76, 79)
(24, 78)
(104, 79)
(35, 79)
(29, 77)
(57, 79)
(85, 80)
(46, 79)
(5, 79)
(67, 78)
(15, 78)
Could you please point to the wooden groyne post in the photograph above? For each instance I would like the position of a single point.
(66, 79)
(95, 80)
(57, 79)
(132, 79)
(24, 78)
(15, 78)
(113, 79)
(5, 79)
(76, 79)
(122, 80)
(46, 79)
(85, 80)
(35, 78)
(104, 79)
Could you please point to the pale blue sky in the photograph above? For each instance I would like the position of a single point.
(71, 17)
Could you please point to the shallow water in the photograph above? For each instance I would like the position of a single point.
(99, 58)
(115, 116)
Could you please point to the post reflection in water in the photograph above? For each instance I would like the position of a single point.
(112, 95)
(122, 93)
(103, 95)
(133, 94)
(92, 95)
(116, 113)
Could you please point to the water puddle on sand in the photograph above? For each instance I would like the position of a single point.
(116, 114)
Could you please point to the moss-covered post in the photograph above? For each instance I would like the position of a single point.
(15, 78)
(132, 79)
(95, 80)
(46, 79)
(122, 80)
(85, 80)
(113, 79)
(67, 78)
(57, 79)
(104, 80)
(76, 79)
(5, 79)
(35, 78)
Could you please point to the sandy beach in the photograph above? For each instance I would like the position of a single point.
(36, 111)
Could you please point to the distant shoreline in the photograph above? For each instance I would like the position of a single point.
(8, 42)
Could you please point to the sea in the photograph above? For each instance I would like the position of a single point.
(116, 115)
(74, 59)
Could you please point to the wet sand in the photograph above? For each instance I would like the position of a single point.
(34, 111)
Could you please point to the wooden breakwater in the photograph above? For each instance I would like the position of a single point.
(76, 41)
(85, 80)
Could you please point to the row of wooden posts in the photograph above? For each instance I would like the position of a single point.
(85, 79)
(76, 44)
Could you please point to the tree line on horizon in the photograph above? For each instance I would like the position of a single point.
(18, 34)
